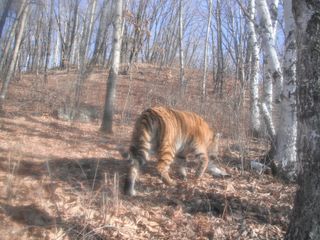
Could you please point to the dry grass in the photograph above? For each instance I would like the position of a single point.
(62, 180)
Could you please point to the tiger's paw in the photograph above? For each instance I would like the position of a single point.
(182, 173)
(167, 180)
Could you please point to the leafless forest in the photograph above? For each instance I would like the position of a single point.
(75, 75)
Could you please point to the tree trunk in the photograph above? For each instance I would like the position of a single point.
(88, 35)
(100, 43)
(85, 68)
(37, 45)
(273, 9)
(6, 52)
(138, 32)
(273, 67)
(182, 79)
(305, 220)
(254, 74)
(68, 41)
(48, 50)
(213, 56)
(56, 51)
(220, 60)
(204, 79)
(10, 73)
(287, 134)
(107, 120)
(4, 15)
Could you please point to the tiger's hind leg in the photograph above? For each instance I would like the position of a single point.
(165, 158)
(203, 157)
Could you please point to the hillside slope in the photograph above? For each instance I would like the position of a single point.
(63, 180)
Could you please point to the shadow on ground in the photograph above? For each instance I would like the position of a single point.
(34, 219)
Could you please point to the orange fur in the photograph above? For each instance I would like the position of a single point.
(169, 134)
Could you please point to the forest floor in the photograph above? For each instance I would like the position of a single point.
(63, 179)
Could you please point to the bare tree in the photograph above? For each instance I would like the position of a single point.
(85, 68)
(88, 33)
(181, 57)
(12, 65)
(107, 119)
(4, 14)
(205, 55)
(101, 38)
(220, 59)
(36, 42)
(254, 73)
(67, 30)
(305, 220)
(6, 54)
(135, 39)
(48, 50)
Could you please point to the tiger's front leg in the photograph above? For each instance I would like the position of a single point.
(181, 162)
(165, 158)
(131, 178)
(138, 156)
(203, 157)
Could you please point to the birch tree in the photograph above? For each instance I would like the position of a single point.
(12, 64)
(305, 220)
(107, 119)
(89, 30)
(181, 57)
(220, 60)
(254, 74)
(273, 9)
(287, 131)
(48, 50)
(273, 67)
(205, 55)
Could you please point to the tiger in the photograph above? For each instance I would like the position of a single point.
(168, 134)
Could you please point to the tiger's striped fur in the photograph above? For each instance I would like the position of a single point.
(169, 134)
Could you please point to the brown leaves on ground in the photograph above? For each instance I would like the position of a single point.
(63, 180)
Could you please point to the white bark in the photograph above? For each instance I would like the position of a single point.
(287, 134)
(267, 85)
(273, 8)
(182, 80)
(254, 77)
(220, 58)
(268, 81)
(90, 26)
(273, 67)
(267, 117)
(204, 80)
(56, 51)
